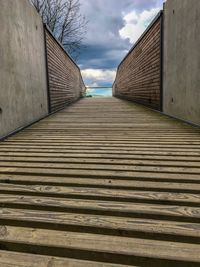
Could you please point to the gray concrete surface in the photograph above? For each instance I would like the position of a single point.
(23, 87)
(182, 59)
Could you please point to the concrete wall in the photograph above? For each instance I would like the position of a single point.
(182, 59)
(23, 86)
(139, 74)
(65, 80)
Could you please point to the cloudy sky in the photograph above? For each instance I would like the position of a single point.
(114, 26)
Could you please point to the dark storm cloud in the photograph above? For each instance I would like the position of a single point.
(104, 47)
(102, 56)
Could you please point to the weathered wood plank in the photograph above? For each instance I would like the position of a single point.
(119, 184)
(104, 224)
(130, 247)
(111, 161)
(14, 259)
(63, 167)
(99, 151)
(98, 173)
(105, 145)
(112, 207)
(98, 156)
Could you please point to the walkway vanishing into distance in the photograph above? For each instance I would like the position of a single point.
(104, 182)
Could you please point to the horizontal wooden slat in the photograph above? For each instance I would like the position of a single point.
(103, 224)
(9, 166)
(98, 157)
(102, 160)
(103, 244)
(99, 173)
(14, 259)
(114, 208)
(134, 184)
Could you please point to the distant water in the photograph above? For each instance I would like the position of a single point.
(95, 92)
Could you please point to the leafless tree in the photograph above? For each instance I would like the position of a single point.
(64, 19)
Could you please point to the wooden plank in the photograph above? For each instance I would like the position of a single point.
(165, 152)
(102, 148)
(63, 167)
(105, 192)
(14, 259)
(105, 142)
(115, 205)
(112, 207)
(110, 161)
(119, 184)
(6, 171)
(109, 146)
(97, 157)
(104, 224)
(129, 247)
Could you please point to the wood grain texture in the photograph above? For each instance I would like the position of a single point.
(14, 259)
(104, 182)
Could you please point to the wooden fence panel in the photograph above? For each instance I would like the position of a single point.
(64, 77)
(139, 76)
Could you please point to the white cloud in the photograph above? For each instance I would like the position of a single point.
(95, 76)
(136, 23)
(92, 84)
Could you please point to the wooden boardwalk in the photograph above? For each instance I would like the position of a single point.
(102, 183)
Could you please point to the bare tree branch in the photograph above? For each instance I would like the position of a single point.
(65, 21)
